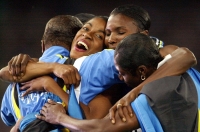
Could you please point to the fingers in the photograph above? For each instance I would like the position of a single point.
(48, 104)
(130, 110)
(41, 117)
(78, 77)
(10, 65)
(112, 114)
(70, 75)
(119, 108)
(51, 102)
(24, 63)
(26, 86)
(26, 92)
(17, 65)
(75, 76)
(120, 112)
(119, 105)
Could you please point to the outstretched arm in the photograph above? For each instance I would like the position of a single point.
(55, 114)
(17, 65)
(68, 73)
(182, 59)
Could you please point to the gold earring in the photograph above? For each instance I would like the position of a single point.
(143, 77)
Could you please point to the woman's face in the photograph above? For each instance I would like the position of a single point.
(118, 27)
(89, 39)
(127, 77)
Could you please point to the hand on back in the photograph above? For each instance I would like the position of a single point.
(68, 73)
(123, 102)
(17, 65)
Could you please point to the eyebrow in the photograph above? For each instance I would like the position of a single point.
(98, 30)
(102, 32)
(117, 28)
(88, 24)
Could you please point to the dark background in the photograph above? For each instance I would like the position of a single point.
(22, 24)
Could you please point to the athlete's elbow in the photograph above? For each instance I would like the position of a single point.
(1, 74)
(190, 56)
(5, 75)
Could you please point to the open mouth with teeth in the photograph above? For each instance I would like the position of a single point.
(82, 46)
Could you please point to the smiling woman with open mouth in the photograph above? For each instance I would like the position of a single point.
(90, 38)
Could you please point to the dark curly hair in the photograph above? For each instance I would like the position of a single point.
(135, 50)
(62, 28)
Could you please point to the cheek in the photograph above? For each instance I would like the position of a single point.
(122, 37)
(74, 54)
(74, 42)
(75, 39)
(132, 81)
(106, 41)
(126, 80)
(97, 47)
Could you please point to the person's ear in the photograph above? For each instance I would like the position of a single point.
(142, 70)
(42, 45)
(146, 32)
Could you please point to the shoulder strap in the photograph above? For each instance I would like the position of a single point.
(15, 101)
(69, 61)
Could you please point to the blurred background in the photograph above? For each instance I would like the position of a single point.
(22, 24)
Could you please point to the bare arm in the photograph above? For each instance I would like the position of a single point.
(68, 73)
(182, 59)
(32, 70)
(15, 128)
(91, 111)
(55, 114)
(5, 75)
(97, 108)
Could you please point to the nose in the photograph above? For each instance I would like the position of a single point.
(121, 77)
(87, 35)
(112, 41)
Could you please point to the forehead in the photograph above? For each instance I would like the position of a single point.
(97, 22)
(116, 64)
(119, 20)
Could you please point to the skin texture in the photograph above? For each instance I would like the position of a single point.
(131, 80)
(164, 70)
(92, 33)
(93, 36)
(118, 27)
(114, 41)
(53, 113)
(161, 72)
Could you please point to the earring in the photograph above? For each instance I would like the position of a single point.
(143, 77)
